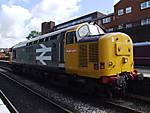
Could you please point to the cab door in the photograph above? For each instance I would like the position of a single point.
(71, 52)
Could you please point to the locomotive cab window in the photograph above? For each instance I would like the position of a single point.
(71, 37)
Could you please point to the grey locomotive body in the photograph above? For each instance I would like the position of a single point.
(45, 50)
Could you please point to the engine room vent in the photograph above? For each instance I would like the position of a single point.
(83, 60)
(93, 52)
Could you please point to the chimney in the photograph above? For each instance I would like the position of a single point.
(47, 27)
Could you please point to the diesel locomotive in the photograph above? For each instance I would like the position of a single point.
(82, 51)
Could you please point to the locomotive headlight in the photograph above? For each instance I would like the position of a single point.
(110, 63)
(125, 60)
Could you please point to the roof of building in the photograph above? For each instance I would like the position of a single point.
(81, 19)
(111, 14)
(118, 2)
(4, 49)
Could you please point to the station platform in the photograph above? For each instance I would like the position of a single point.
(3, 108)
(145, 71)
(5, 105)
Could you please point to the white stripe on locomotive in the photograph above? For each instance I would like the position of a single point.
(43, 50)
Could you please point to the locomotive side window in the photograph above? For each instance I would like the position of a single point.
(70, 37)
(36, 41)
(27, 44)
(30, 43)
(41, 40)
(53, 37)
(46, 39)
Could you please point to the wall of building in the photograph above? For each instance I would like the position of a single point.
(108, 22)
(136, 14)
(131, 17)
(47, 27)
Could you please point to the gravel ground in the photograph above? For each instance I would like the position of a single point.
(25, 101)
(80, 103)
(135, 104)
(71, 103)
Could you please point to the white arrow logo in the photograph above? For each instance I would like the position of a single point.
(43, 50)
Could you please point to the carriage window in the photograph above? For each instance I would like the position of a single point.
(70, 37)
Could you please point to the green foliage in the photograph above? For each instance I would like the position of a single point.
(33, 34)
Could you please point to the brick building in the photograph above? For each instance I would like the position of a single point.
(50, 26)
(131, 17)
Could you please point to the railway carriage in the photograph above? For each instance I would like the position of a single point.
(82, 50)
(142, 54)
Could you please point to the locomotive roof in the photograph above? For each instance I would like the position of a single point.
(142, 44)
(22, 44)
(28, 42)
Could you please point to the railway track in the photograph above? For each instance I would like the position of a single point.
(132, 103)
(9, 105)
(139, 97)
(123, 107)
(59, 106)
(128, 104)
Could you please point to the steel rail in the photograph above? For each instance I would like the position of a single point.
(139, 97)
(123, 107)
(8, 104)
(41, 96)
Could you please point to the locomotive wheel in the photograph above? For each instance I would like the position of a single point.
(122, 91)
(121, 86)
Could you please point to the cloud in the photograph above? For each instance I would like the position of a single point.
(55, 9)
(12, 24)
(16, 21)
(34, 24)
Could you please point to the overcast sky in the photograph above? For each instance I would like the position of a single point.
(19, 17)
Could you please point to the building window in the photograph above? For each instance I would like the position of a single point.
(120, 12)
(99, 22)
(128, 10)
(145, 21)
(110, 29)
(145, 5)
(120, 26)
(128, 25)
(106, 20)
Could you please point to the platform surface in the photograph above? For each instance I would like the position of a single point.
(3, 108)
(145, 71)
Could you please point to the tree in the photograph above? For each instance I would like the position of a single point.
(33, 34)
